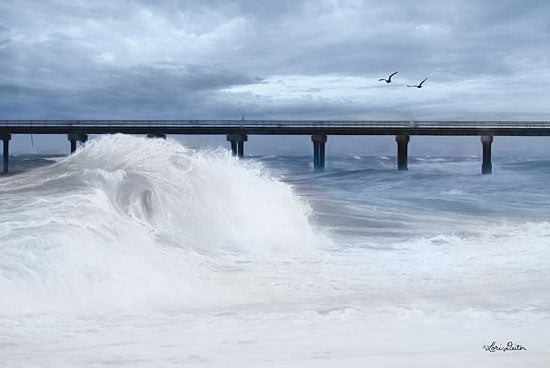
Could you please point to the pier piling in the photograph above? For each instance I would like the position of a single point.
(402, 143)
(319, 141)
(486, 166)
(237, 143)
(6, 139)
(74, 137)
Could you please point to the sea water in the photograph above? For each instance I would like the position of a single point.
(139, 252)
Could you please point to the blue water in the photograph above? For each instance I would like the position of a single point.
(367, 196)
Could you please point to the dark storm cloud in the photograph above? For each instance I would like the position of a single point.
(273, 59)
(142, 91)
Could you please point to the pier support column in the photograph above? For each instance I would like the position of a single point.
(6, 139)
(486, 166)
(234, 148)
(402, 143)
(237, 143)
(156, 135)
(319, 151)
(74, 137)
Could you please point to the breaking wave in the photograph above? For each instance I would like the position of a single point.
(132, 222)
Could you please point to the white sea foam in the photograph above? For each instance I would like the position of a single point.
(130, 222)
(140, 252)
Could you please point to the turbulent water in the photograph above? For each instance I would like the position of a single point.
(141, 253)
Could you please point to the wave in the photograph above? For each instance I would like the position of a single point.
(127, 222)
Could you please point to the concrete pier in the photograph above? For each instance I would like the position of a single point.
(237, 143)
(74, 137)
(6, 139)
(486, 166)
(153, 135)
(237, 131)
(319, 141)
(402, 143)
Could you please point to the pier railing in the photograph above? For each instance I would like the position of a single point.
(278, 124)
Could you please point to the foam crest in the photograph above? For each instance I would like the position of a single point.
(128, 221)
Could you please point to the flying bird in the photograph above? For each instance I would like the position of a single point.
(420, 85)
(389, 78)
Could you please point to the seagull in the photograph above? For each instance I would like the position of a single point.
(420, 85)
(389, 78)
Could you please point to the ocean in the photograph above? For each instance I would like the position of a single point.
(136, 252)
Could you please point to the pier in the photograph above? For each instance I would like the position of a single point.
(238, 131)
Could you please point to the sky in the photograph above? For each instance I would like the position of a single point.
(170, 59)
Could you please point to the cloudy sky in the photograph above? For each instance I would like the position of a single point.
(173, 59)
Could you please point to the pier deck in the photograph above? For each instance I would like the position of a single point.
(278, 127)
(237, 131)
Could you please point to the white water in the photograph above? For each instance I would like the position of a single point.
(140, 252)
(135, 223)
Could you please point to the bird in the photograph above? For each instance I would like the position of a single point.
(420, 85)
(389, 78)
